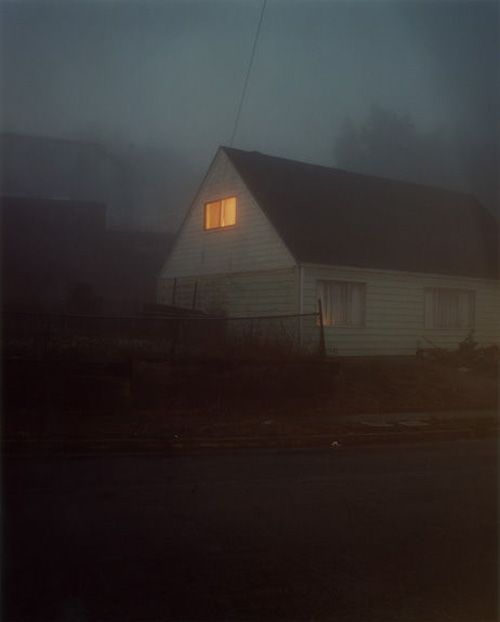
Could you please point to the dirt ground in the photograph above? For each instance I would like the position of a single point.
(161, 399)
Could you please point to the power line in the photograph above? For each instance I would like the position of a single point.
(249, 68)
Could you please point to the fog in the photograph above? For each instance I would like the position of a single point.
(158, 84)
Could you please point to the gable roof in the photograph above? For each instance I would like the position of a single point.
(335, 217)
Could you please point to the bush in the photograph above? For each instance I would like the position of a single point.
(468, 354)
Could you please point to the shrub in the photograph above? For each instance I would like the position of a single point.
(468, 354)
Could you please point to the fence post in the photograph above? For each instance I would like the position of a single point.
(195, 291)
(46, 339)
(322, 346)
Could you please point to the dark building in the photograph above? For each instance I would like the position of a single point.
(58, 199)
(50, 248)
(58, 255)
(55, 168)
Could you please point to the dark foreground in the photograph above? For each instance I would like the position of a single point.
(387, 533)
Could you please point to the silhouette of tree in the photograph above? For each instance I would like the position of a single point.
(389, 144)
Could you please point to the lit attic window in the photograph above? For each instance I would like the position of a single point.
(220, 214)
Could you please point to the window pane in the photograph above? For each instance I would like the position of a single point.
(339, 303)
(322, 294)
(448, 308)
(228, 217)
(343, 303)
(213, 215)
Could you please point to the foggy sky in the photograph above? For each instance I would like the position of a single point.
(158, 83)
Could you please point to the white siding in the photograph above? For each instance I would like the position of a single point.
(394, 322)
(251, 245)
(272, 292)
(246, 270)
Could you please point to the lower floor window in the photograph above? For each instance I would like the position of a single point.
(449, 308)
(342, 303)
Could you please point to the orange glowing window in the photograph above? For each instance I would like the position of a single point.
(219, 214)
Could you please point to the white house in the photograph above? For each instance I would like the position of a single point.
(396, 265)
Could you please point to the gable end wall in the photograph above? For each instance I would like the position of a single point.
(251, 245)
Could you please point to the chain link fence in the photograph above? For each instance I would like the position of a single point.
(96, 337)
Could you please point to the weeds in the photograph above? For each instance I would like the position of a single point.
(468, 355)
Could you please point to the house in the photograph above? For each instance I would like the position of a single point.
(396, 266)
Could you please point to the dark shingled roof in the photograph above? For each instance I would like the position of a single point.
(334, 217)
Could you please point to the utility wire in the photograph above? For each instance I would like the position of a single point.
(249, 68)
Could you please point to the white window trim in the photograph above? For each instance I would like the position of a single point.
(349, 324)
(472, 311)
(219, 200)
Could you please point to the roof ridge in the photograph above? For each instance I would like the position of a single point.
(343, 171)
(334, 217)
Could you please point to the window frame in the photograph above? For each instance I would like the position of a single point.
(220, 200)
(472, 310)
(349, 324)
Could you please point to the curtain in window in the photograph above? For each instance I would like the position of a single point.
(448, 308)
(446, 305)
(342, 303)
(228, 216)
(213, 215)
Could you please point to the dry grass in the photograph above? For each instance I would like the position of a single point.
(230, 398)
